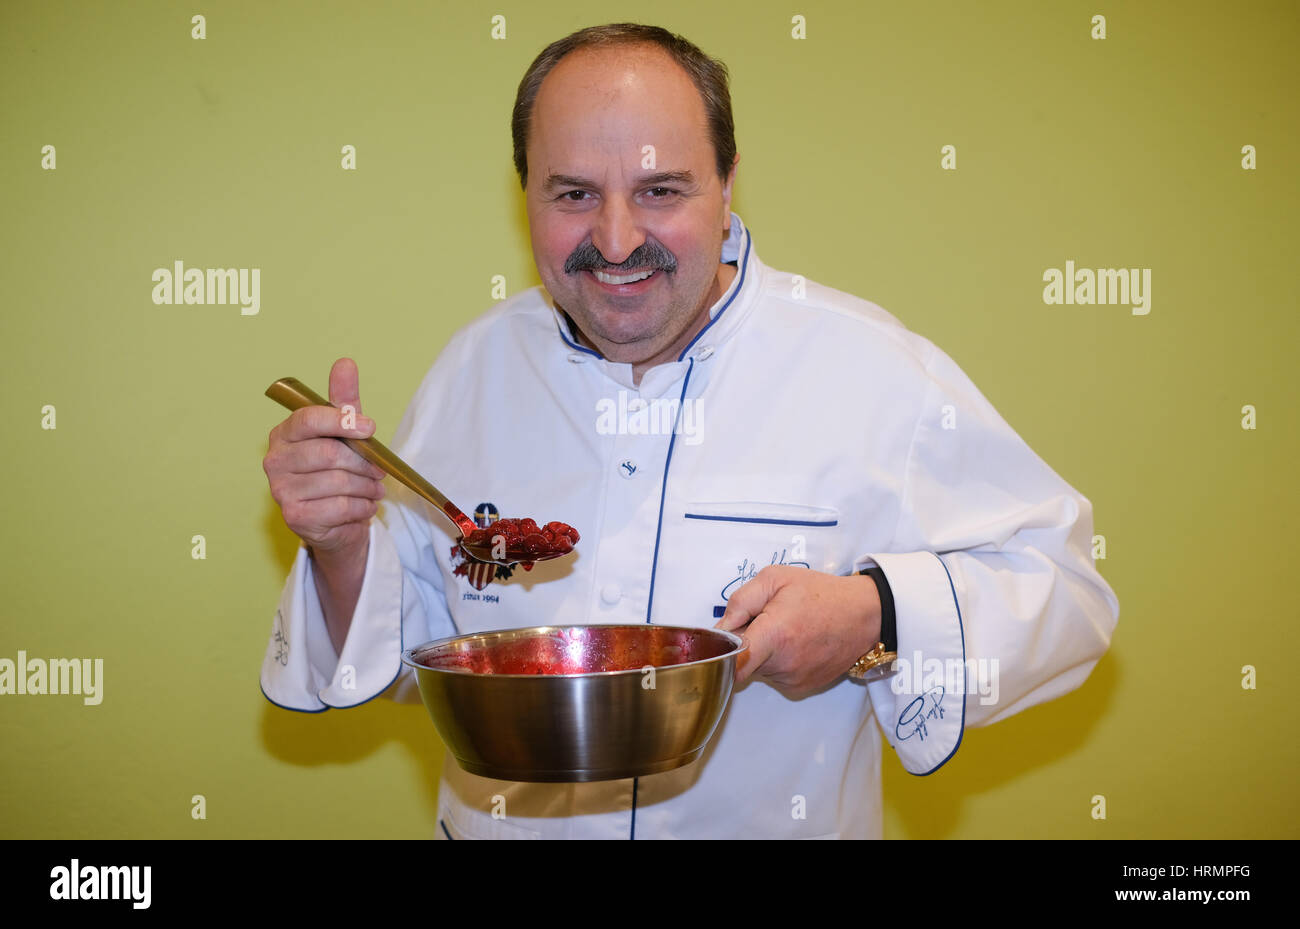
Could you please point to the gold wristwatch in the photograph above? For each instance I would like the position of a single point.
(875, 665)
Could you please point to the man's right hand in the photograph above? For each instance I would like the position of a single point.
(327, 492)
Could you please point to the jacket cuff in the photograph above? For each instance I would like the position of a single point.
(301, 671)
(922, 708)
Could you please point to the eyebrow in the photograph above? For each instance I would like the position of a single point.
(662, 177)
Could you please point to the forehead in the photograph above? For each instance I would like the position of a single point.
(603, 101)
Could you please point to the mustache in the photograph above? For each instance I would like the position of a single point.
(586, 257)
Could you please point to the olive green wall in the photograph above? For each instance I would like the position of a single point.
(1122, 152)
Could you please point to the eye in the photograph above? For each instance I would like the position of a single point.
(668, 191)
(568, 196)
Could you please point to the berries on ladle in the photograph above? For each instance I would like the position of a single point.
(524, 538)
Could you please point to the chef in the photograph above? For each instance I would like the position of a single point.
(738, 447)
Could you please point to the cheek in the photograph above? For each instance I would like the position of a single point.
(556, 248)
(547, 237)
(687, 247)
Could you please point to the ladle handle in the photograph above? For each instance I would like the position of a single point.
(293, 394)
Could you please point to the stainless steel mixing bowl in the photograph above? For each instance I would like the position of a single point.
(577, 703)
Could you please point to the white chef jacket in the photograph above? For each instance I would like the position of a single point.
(819, 432)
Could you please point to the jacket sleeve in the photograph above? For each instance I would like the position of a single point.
(401, 604)
(998, 604)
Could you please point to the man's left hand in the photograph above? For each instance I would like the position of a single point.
(805, 628)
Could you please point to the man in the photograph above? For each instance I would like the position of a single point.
(808, 437)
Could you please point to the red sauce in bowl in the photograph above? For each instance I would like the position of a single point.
(576, 650)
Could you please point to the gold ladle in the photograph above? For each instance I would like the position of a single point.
(293, 394)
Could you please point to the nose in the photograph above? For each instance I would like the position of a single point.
(616, 234)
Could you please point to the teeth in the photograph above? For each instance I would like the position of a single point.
(625, 279)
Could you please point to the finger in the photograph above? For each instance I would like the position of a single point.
(345, 384)
(331, 512)
(311, 422)
(312, 452)
(762, 646)
(312, 455)
(749, 599)
(337, 483)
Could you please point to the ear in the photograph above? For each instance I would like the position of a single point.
(726, 194)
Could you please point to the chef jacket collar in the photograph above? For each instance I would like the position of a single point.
(725, 317)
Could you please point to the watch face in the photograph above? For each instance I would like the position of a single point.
(881, 672)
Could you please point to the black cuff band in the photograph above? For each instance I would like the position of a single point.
(888, 631)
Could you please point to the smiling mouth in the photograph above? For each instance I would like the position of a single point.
(616, 279)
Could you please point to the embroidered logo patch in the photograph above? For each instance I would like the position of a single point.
(479, 573)
(746, 571)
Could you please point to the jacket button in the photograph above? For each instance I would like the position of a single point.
(611, 594)
(627, 467)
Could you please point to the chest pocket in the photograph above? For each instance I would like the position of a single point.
(722, 545)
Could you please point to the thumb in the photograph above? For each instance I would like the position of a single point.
(748, 600)
(345, 384)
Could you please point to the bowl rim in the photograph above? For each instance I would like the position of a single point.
(738, 643)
